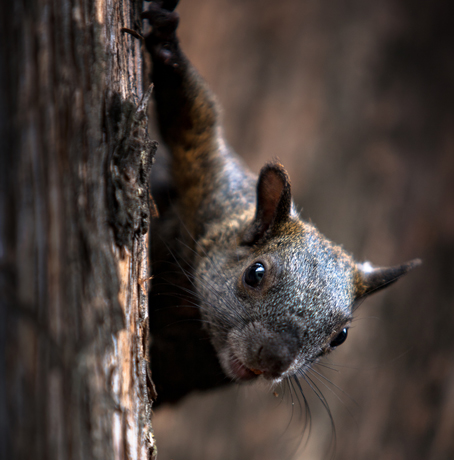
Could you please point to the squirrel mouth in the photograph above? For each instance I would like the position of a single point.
(240, 371)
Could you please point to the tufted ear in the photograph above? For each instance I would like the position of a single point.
(274, 202)
(370, 280)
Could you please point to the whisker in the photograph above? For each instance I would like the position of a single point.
(323, 379)
(220, 275)
(191, 303)
(290, 387)
(307, 425)
(230, 314)
(308, 413)
(330, 366)
(239, 318)
(322, 399)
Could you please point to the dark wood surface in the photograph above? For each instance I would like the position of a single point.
(73, 316)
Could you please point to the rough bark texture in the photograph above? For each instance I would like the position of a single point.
(73, 254)
(356, 98)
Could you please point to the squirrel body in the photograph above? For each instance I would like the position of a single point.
(272, 294)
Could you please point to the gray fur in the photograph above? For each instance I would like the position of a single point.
(227, 220)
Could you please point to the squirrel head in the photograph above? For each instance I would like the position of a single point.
(283, 295)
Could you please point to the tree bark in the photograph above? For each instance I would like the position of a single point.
(73, 218)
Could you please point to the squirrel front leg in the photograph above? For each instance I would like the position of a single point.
(187, 112)
(204, 169)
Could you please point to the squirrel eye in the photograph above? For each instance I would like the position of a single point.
(254, 274)
(339, 339)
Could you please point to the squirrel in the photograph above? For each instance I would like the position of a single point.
(243, 287)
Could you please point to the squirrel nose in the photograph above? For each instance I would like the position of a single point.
(266, 349)
(276, 354)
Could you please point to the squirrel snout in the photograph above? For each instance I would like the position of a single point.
(265, 351)
(276, 354)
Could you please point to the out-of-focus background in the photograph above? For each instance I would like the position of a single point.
(356, 99)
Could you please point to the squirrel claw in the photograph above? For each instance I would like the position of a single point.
(163, 22)
(162, 41)
(168, 5)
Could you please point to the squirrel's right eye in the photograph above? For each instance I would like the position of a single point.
(254, 274)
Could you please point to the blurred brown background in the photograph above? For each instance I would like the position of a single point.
(356, 99)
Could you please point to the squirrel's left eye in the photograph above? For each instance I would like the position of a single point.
(254, 274)
(339, 339)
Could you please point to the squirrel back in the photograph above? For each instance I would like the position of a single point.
(272, 294)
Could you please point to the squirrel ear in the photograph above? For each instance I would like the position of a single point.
(370, 280)
(274, 202)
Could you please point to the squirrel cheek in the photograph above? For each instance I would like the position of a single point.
(233, 367)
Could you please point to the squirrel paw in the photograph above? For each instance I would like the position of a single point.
(164, 22)
(162, 41)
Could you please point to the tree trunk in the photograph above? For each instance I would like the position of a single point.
(74, 161)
